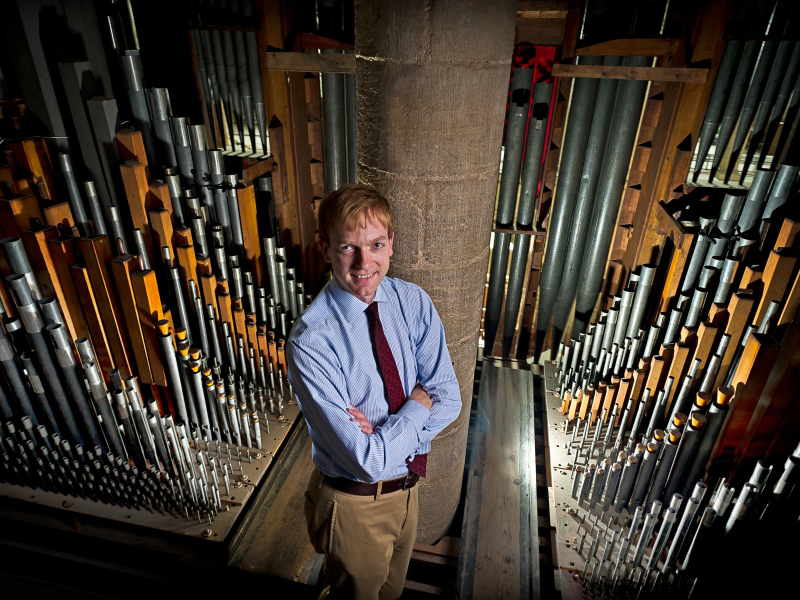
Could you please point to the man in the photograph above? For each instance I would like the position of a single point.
(369, 365)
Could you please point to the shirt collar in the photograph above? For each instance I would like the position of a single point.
(349, 305)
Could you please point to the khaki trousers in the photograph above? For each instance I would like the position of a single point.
(367, 540)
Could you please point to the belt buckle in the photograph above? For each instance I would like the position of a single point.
(411, 478)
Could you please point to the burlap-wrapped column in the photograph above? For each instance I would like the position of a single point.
(432, 81)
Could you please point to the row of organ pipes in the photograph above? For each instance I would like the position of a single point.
(141, 344)
(660, 415)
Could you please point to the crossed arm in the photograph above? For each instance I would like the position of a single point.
(418, 394)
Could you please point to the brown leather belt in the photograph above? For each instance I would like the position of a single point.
(359, 488)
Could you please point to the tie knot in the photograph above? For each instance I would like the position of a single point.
(372, 309)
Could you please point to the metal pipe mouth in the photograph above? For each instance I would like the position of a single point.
(197, 137)
(20, 290)
(215, 162)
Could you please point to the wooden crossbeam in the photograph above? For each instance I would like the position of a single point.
(669, 74)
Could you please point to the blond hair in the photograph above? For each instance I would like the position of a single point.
(352, 205)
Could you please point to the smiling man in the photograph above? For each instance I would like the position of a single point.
(371, 370)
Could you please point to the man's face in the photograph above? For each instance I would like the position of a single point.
(359, 257)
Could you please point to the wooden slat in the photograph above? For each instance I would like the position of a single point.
(122, 267)
(97, 253)
(250, 237)
(148, 306)
(670, 74)
(102, 347)
(62, 255)
(162, 231)
(315, 63)
(739, 308)
(632, 47)
(678, 368)
(777, 274)
(134, 179)
(790, 307)
(706, 343)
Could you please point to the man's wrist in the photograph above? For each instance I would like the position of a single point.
(416, 413)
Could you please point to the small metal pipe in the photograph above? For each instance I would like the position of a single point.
(133, 77)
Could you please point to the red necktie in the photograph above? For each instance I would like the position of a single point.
(391, 378)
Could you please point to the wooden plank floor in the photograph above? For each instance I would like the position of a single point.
(499, 540)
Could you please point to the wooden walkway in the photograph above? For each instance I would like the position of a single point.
(499, 540)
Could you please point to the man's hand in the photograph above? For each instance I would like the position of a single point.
(418, 394)
(361, 419)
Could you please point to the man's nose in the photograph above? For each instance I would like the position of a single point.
(361, 259)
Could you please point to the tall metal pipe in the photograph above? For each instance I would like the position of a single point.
(352, 135)
(333, 123)
(625, 124)
(722, 89)
(790, 76)
(750, 105)
(534, 149)
(585, 199)
(514, 139)
(213, 81)
(160, 112)
(516, 277)
(233, 84)
(257, 89)
(776, 74)
(205, 76)
(733, 106)
(584, 93)
(222, 81)
(245, 91)
(506, 203)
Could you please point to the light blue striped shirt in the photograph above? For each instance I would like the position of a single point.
(332, 364)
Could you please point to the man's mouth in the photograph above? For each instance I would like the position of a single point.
(363, 277)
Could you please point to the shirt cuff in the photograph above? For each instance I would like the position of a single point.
(416, 413)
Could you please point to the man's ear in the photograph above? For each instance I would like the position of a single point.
(323, 249)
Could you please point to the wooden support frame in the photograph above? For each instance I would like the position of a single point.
(668, 74)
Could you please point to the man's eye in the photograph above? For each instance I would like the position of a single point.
(344, 248)
(379, 244)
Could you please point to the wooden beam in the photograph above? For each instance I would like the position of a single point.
(308, 61)
(669, 74)
(632, 47)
